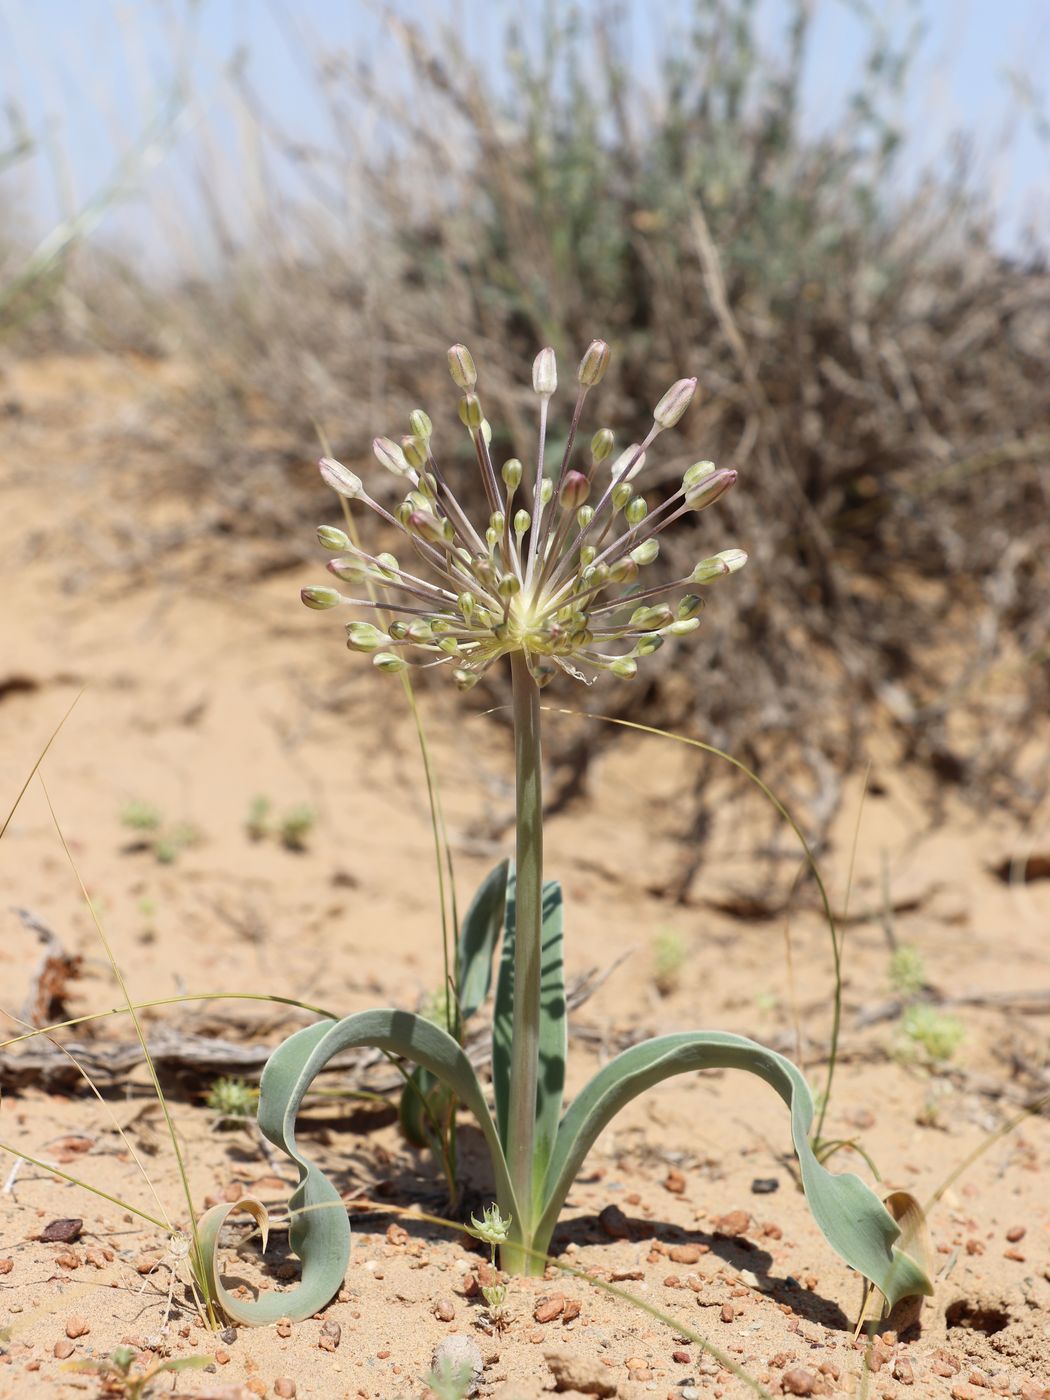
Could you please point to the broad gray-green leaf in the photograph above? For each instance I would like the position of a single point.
(854, 1221)
(477, 940)
(320, 1231)
(550, 1085)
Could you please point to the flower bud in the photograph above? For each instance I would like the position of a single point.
(320, 597)
(388, 662)
(682, 626)
(545, 373)
(398, 632)
(420, 424)
(461, 367)
(465, 680)
(602, 444)
(698, 472)
(674, 403)
(546, 491)
(624, 667)
(726, 562)
(350, 570)
(623, 571)
(415, 451)
(625, 459)
(341, 479)
(592, 366)
(449, 646)
(365, 636)
(486, 432)
(708, 491)
(509, 585)
(330, 537)
(388, 565)
(575, 488)
(584, 516)
(497, 521)
(636, 511)
(646, 552)
(428, 526)
(512, 475)
(522, 521)
(470, 413)
(621, 494)
(587, 555)
(649, 619)
(403, 513)
(690, 606)
(647, 645)
(465, 603)
(389, 454)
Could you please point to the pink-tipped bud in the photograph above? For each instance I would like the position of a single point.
(545, 373)
(461, 367)
(427, 526)
(706, 492)
(575, 488)
(593, 365)
(674, 403)
(320, 597)
(341, 479)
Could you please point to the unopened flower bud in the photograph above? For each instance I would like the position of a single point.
(545, 373)
(320, 597)
(512, 475)
(509, 585)
(587, 554)
(592, 366)
(719, 565)
(690, 606)
(646, 552)
(486, 432)
(624, 667)
(674, 403)
(340, 478)
(465, 680)
(398, 633)
(636, 511)
(632, 458)
(682, 626)
(649, 619)
(698, 472)
(621, 494)
(420, 424)
(364, 636)
(449, 646)
(546, 491)
(584, 516)
(461, 367)
(350, 570)
(465, 602)
(707, 492)
(415, 450)
(428, 526)
(330, 537)
(470, 412)
(497, 520)
(388, 662)
(575, 488)
(602, 444)
(623, 571)
(647, 645)
(403, 513)
(522, 521)
(389, 454)
(388, 565)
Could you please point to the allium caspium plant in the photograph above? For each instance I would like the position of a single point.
(555, 584)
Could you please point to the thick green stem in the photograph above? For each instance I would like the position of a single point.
(521, 1126)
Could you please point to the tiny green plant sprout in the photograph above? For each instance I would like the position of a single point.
(552, 582)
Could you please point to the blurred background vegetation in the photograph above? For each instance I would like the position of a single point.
(873, 356)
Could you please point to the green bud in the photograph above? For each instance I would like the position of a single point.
(624, 667)
(403, 513)
(698, 472)
(726, 562)
(449, 645)
(587, 554)
(415, 450)
(461, 367)
(364, 636)
(509, 585)
(486, 432)
(649, 619)
(420, 424)
(621, 494)
(497, 522)
(646, 552)
(388, 662)
(593, 365)
(602, 444)
(512, 475)
(647, 645)
(320, 597)
(546, 491)
(388, 454)
(350, 570)
(341, 479)
(388, 565)
(623, 571)
(681, 627)
(465, 602)
(545, 373)
(522, 521)
(674, 403)
(470, 413)
(636, 511)
(330, 537)
(708, 491)
(575, 488)
(420, 629)
(465, 680)
(398, 631)
(584, 516)
(690, 606)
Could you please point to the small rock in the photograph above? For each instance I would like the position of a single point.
(331, 1335)
(764, 1185)
(682, 1357)
(571, 1309)
(962, 1391)
(63, 1349)
(674, 1182)
(1015, 1255)
(614, 1223)
(735, 1223)
(77, 1327)
(1015, 1233)
(579, 1373)
(902, 1371)
(689, 1392)
(222, 1357)
(284, 1386)
(1033, 1390)
(799, 1381)
(284, 1327)
(228, 1335)
(6, 1265)
(728, 1312)
(445, 1310)
(459, 1355)
(62, 1231)
(547, 1309)
(687, 1253)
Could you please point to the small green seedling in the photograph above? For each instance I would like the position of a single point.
(257, 822)
(141, 816)
(296, 826)
(668, 961)
(166, 840)
(118, 1379)
(232, 1100)
(930, 1034)
(495, 1231)
(907, 973)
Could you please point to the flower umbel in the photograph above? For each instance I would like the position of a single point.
(549, 574)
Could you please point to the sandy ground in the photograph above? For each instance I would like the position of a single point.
(195, 704)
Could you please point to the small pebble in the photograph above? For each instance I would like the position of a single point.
(1015, 1233)
(78, 1327)
(331, 1335)
(547, 1309)
(228, 1335)
(674, 1182)
(735, 1223)
(728, 1312)
(284, 1386)
(682, 1357)
(63, 1349)
(459, 1353)
(444, 1310)
(764, 1185)
(284, 1327)
(614, 1223)
(62, 1231)
(799, 1381)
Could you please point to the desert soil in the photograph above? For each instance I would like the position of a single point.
(196, 697)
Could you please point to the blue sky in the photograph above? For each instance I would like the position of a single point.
(85, 76)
